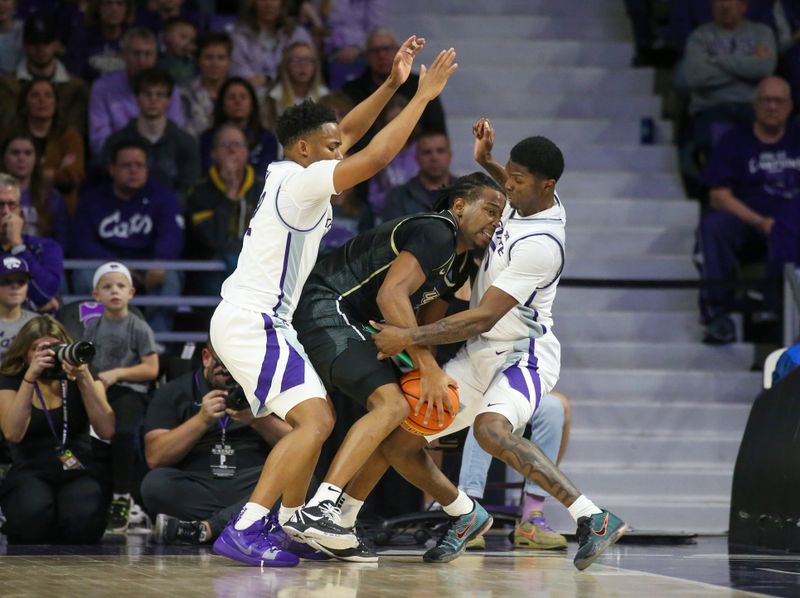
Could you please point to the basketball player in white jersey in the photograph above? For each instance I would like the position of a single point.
(511, 359)
(251, 328)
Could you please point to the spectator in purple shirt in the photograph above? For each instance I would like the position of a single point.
(349, 22)
(44, 257)
(94, 47)
(112, 103)
(260, 38)
(754, 176)
(130, 218)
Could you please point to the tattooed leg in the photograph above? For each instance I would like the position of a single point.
(494, 434)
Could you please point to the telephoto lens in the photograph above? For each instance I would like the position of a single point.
(74, 353)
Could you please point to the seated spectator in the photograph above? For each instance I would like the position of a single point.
(179, 47)
(125, 363)
(299, 79)
(237, 105)
(51, 497)
(94, 48)
(349, 23)
(262, 34)
(200, 95)
(188, 427)
(173, 157)
(130, 217)
(419, 194)
(754, 176)
(400, 170)
(220, 207)
(10, 37)
(156, 14)
(44, 257)
(59, 144)
(381, 48)
(43, 208)
(40, 62)
(723, 63)
(112, 103)
(687, 15)
(14, 278)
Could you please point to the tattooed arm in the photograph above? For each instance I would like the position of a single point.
(458, 327)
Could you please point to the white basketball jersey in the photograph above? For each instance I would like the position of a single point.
(525, 259)
(283, 238)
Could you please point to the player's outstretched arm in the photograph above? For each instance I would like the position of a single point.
(390, 340)
(483, 132)
(392, 138)
(361, 118)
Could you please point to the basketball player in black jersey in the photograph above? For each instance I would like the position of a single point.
(405, 270)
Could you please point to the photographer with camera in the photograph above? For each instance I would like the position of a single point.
(53, 493)
(206, 451)
(126, 363)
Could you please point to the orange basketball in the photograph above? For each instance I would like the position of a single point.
(409, 384)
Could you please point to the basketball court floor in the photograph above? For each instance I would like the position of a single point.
(135, 567)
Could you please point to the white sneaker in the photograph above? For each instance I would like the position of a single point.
(138, 521)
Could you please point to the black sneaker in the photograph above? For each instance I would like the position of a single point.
(362, 553)
(320, 523)
(171, 530)
(118, 512)
(720, 331)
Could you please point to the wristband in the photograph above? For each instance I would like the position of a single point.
(24, 379)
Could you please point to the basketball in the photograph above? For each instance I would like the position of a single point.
(409, 384)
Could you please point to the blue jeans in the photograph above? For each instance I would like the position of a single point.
(547, 427)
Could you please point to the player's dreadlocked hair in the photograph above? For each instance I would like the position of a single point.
(540, 156)
(301, 119)
(467, 187)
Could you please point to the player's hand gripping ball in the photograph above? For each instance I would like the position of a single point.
(410, 385)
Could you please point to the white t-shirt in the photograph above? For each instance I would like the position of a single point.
(282, 240)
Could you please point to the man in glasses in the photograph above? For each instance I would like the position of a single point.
(754, 176)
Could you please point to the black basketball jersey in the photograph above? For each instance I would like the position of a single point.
(356, 271)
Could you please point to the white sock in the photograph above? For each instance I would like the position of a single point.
(285, 513)
(350, 508)
(251, 513)
(462, 505)
(325, 492)
(582, 507)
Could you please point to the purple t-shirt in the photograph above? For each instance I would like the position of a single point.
(757, 173)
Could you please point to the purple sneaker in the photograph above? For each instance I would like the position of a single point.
(256, 545)
(282, 539)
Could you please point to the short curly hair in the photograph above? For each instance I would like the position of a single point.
(303, 118)
(540, 156)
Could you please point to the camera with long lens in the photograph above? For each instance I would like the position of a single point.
(71, 353)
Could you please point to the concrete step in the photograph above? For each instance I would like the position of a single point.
(617, 326)
(515, 52)
(586, 239)
(642, 184)
(549, 104)
(504, 26)
(567, 8)
(563, 131)
(527, 83)
(655, 267)
(658, 414)
(700, 386)
(589, 157)
(571, 299)
(630, 212)
(707, 516)
(667, 356)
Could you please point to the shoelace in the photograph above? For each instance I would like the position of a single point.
(332, 512)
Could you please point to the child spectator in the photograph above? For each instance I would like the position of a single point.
(179, 46)
(10, 37)
(200, 95)
(126, 362)
(59, 144)
(43, 208)
(51, 497)
(14, 277)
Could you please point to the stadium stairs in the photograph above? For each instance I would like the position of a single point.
(657, 416)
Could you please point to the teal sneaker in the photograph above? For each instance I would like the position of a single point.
(460, 531)
(595, 535)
